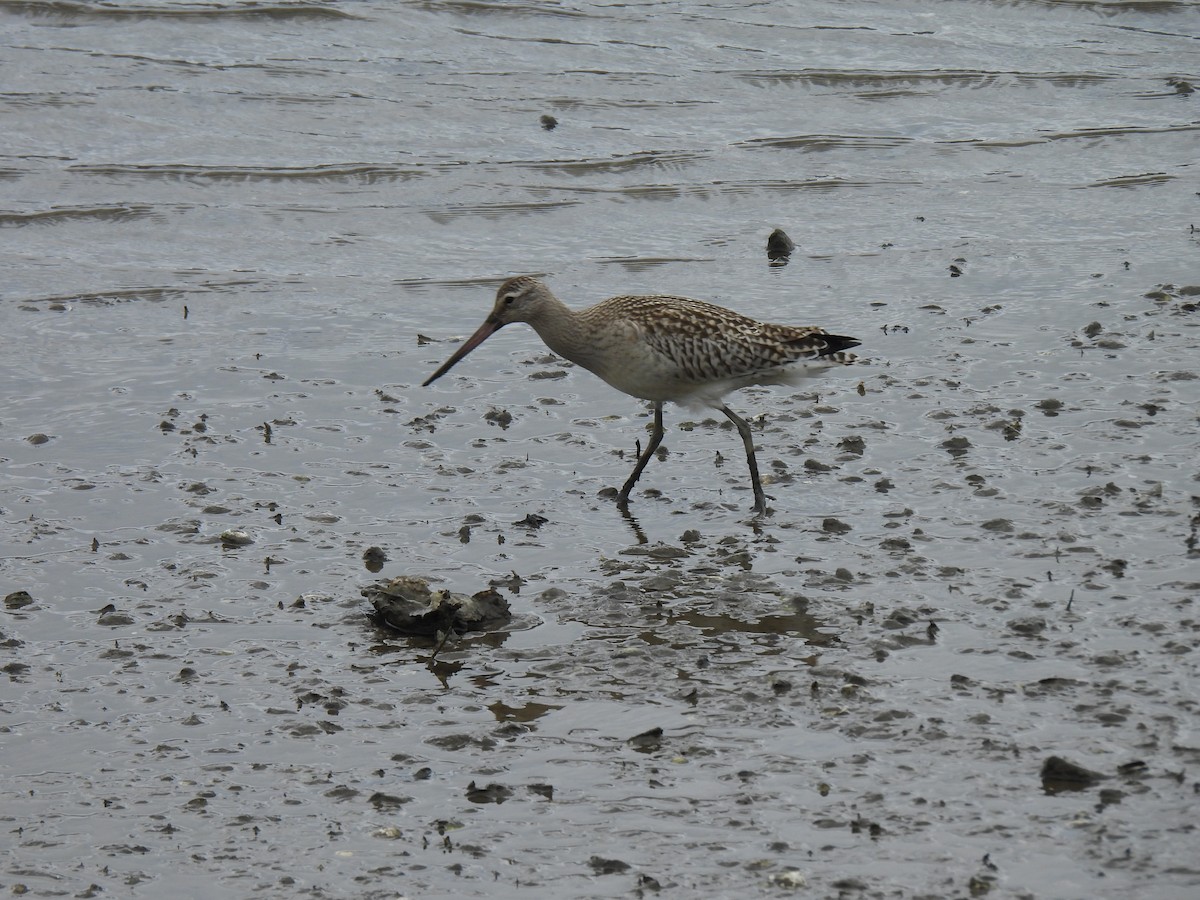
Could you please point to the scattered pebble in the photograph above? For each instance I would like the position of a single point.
(235, 537)
(18, 600)
(1061, 774)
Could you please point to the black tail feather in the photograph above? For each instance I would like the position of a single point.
(836, 343)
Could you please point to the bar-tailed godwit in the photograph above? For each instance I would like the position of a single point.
(663, 348)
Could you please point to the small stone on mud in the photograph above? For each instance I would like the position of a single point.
(789, 878)
(1030, 626)
(374, 558)
(18, 600)
(665, 551)
(647, 741)
(38, 439)
(1117, 567)
(533, 520)
(779, 245)
(834, 526)
(1064, 774)
(110, 618)
(549, 123)
(380, 800)
(501, 417)
(235, 537)
(852, 444)
(602, 866)
(899, 618)
(1111, 796)
(492, 793)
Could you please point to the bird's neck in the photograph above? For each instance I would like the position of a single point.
(564, 331)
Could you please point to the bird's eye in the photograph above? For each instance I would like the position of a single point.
(508, 300)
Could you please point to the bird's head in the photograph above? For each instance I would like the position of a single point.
(520, 299)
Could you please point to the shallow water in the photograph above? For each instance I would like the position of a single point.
(219, 218)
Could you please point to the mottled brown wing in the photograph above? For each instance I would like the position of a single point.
(710, 342)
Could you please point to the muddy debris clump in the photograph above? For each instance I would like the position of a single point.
(407, 604)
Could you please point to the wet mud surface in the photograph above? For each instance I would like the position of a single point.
(957, 659)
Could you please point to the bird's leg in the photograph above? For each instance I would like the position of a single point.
(760, 499)
(656, 436)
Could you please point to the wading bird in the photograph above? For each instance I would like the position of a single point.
(661, 348)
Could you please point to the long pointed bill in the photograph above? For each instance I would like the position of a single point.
(489, 327)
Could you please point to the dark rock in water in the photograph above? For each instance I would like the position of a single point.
(382, 801)
(491, 793)
(1059, 774)
(779, 245)
(110, 618)
(647, 741)
(374, 558)
(235, 537)
(406, 604)
(501, 417)
(1028, 626)
(602, 866)
(549, 122)
(18, 600)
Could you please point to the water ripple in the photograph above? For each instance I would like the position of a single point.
(367, 173)
(64, 9)
(67, 214)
